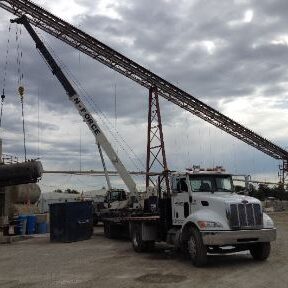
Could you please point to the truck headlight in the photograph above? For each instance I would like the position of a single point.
(209, 224)
(267, 221)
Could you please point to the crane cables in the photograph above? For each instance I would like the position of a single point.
(20, 82)
(117, 137)
(5, 74)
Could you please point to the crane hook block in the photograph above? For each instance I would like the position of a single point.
(21, 90)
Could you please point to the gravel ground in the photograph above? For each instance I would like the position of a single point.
(100, 262)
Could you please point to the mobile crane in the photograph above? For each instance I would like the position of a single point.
(101, 139)
(202, 215)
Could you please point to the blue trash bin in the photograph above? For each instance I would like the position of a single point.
(31, 224)
(42, 228)
(20, 228)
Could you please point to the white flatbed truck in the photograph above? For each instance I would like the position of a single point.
(202, 216)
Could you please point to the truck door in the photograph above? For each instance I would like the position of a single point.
(180, 200)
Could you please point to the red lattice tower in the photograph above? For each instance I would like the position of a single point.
(156, 164)
(283, 173)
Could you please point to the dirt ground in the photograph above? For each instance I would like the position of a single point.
(100, 262)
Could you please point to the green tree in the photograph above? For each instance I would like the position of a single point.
(58, 191)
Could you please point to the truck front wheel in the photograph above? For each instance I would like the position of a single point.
(137, 242)
(196, 249)
(260, 251)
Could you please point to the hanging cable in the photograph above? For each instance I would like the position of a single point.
(38, 125)
(19, 55)
(5, 74)
(115, 102)
(20, 80)
(99, 114)
(2, 103)
(21, 92)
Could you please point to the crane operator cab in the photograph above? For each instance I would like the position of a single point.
(114, 198)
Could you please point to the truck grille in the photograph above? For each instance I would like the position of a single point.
(245, 216)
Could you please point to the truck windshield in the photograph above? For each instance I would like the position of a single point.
(211, 183)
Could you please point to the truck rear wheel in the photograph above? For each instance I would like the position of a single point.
(138, 244)
(95, 220)
(196, 249)
(108, 230)
(260, 251)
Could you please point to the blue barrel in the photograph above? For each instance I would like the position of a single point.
(42, 228)
(20, 228)
(31, 224)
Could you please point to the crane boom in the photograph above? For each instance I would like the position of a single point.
(120, 63)
(80, 106)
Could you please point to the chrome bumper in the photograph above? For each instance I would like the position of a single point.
(238, 237)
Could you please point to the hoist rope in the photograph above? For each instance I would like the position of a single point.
(100, 114)
(117, 137)
(19, 55)
(5, 74)
(23, 125)
(2, 103)
(20, 81)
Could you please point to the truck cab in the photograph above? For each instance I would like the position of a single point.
(208, 216)
(194, 190)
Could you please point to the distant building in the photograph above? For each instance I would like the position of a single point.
(55, 197)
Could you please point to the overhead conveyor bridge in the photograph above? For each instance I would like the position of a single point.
(89, 45)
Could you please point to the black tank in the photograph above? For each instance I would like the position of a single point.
(20, 173)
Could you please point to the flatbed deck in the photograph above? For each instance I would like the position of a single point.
(131, 218)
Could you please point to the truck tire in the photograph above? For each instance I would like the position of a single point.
(196, 249)
(138, 244)
(260, 251)
(95, 220)
(108, 231)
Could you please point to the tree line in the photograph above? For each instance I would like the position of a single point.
(264, 191)
(67, 191)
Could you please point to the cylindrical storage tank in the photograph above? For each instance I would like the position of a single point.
(20, 173)
(20, 194)
(23, 209)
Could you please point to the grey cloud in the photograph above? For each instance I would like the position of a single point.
(160, 36)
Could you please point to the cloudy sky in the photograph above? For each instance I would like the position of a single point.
(230, 54)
